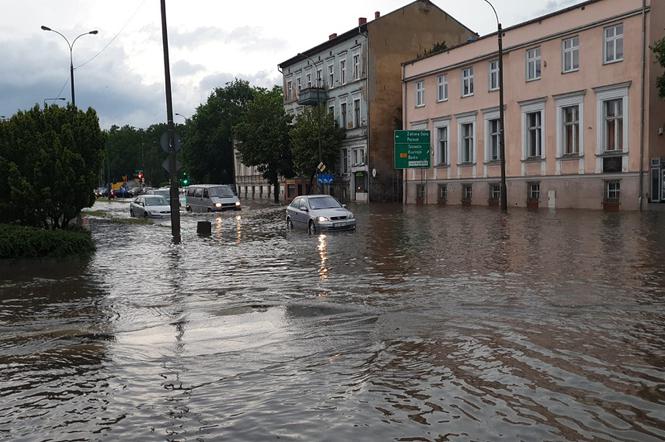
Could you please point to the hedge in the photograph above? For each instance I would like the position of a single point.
(30, 242)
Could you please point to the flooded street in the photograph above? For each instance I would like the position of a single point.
(426, 324)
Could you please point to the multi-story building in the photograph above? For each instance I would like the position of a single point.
(356, 75)
(583, 120)
(249, 181)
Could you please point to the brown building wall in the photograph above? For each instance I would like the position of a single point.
(395, 38)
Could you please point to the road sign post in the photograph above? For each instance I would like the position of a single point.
(412, 149)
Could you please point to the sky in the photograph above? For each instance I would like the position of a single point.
(120, 71)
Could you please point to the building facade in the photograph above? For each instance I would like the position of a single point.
(356, 75)
(583, 120)
(249, 181)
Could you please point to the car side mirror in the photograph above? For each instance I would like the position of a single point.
(344, 205)
(304, 209)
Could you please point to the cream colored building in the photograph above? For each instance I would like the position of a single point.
(584, 123)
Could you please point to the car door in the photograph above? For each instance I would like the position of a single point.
(293, 212)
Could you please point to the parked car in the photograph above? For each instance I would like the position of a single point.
(101, 191)
(211, 198)
(122, 192)
(153, 206)
(319, 212)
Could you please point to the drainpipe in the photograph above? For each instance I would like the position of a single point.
(642, 105)
(404, 174)
(368, 126)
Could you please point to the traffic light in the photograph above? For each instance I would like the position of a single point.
(184, 179)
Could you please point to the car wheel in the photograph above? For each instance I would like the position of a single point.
(289, 224)
(145, 214)
(311, 229)
(188, 208)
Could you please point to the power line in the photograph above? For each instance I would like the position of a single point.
(114, 37)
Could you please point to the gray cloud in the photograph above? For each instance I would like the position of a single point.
(262, 78)
(184, 68)
(247, 38)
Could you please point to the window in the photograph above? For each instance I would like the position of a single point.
(494, 75)
(571, 130)
(613, 43)
(298, 83)
(319, 77)
(443, 193)
(289, 91)
(467, 192)
(534, 134)
(345, 161)
(309, 80)
(356, 66)
(571, 54)
(613, 125)
(467, 142)
(420, 93)
(495, 191)
(533, 67)
(331, 76)
(331, 110)
(342, 71)
(533, 191)
(612, 190)
(442, 88)
(356, 112)
(342, 114)
(494, 132)
(441, 154)
(359, 157)
(467, 82)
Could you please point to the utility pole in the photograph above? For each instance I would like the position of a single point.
(174, 194)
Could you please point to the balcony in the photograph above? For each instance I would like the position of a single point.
(312, 96)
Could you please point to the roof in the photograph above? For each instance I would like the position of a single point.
(510, 28)
(358, 30)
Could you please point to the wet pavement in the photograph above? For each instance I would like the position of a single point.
(426, 324)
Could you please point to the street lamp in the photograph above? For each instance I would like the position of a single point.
(319, 110)
(502, 139)
(53, 99)
(181, 115)
(71, 62)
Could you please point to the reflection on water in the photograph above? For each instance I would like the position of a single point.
(424, 324)
(323, 256)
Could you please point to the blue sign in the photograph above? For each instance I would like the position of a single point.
(325, 178)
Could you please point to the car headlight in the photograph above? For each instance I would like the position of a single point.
(218, 204)
(237, 203)
(350, 216)
(322, 219)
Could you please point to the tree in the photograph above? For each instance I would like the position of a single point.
(208, 147)
(659, 50)
(312, 126)
(263, 136)
(49, 161)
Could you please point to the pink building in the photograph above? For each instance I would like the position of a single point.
(584, 123)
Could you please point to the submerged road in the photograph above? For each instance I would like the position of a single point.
(426, 324)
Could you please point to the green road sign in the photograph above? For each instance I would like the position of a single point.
(412, 149)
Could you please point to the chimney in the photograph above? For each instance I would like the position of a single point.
(332, 36)
(377, 14)
(362, 21)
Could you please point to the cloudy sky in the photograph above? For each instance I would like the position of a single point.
(119, 71)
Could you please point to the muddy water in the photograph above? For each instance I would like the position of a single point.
(424, 324)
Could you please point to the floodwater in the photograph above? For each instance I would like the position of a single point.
(426, 324)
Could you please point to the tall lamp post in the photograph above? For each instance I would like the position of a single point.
(502, 139)
(71, 60)
(319, 111)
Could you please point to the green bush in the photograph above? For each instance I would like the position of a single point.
(30, 242)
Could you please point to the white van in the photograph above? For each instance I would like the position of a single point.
(211, 198)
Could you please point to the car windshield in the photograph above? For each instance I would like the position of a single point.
(156, 201)
(326, 202)
(220, 192)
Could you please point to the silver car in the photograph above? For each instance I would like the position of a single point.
(318, 212)
(153, 206)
